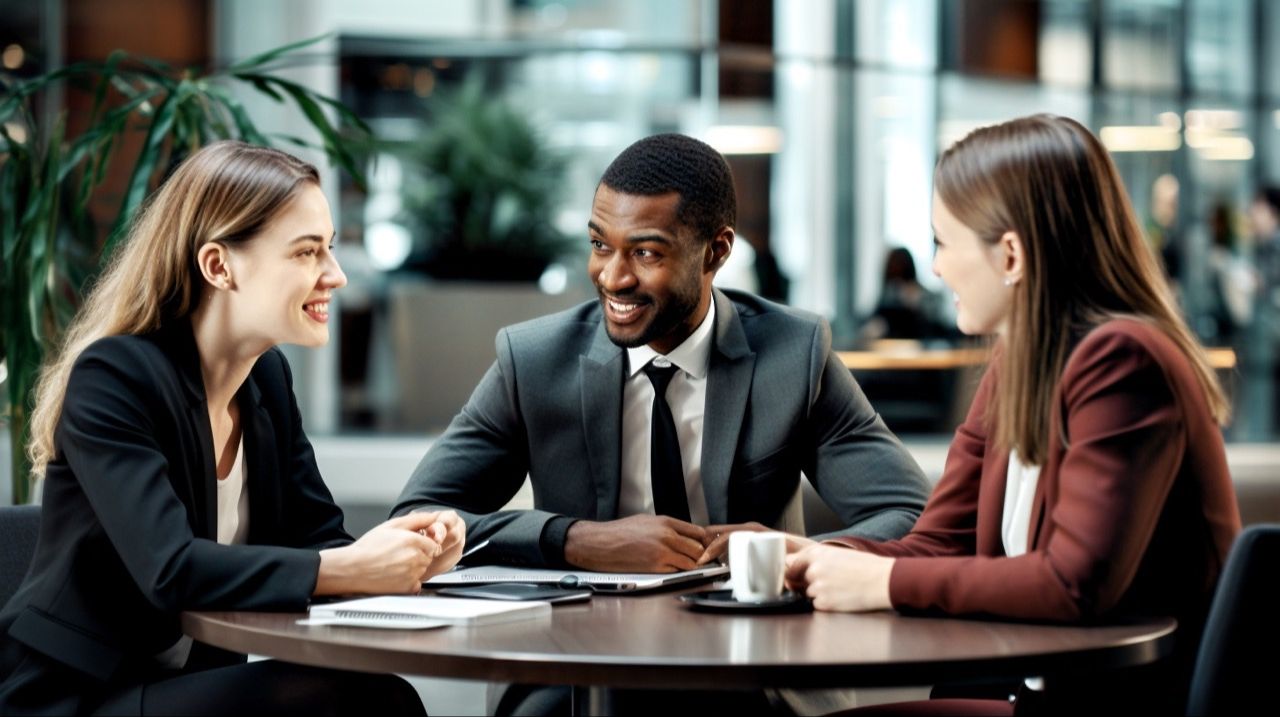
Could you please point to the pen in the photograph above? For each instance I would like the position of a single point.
(473, 549)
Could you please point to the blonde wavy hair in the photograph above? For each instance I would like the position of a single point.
(1049, 180)
(226, 192)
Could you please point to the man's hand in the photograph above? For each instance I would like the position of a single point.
(719, 540)
(841, 579)
(636, 544)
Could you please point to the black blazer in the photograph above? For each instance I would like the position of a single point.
(129, 529)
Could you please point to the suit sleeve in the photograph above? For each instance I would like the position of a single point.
(317, 521)
(106, 436)
(861, 470)
(1126, 441)
(949, 524)
(478, 466)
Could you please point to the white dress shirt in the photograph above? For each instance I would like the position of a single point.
(1015, 522)
(233, 503)
(687, 397)
(1019, 492)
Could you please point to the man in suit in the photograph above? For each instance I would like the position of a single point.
(632, 481)
(757, 398)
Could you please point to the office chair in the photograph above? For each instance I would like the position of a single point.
(1237, 659)
(19, 528)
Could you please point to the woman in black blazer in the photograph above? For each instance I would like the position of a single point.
(177, 475)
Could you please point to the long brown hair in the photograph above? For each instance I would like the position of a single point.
(226, 192)
(1051, 182)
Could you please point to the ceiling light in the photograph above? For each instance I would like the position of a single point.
(1140, 138)
(745, 139)
(13, 57)
(1227, 148)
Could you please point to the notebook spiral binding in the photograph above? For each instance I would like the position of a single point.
(362, 615)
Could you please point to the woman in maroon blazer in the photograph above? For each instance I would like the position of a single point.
(1089, 480)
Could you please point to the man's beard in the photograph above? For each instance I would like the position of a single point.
(666, 317)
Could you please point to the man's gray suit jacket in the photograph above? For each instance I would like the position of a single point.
(778, 402)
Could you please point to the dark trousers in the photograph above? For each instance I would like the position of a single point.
(279, 688)
(41, 686)
(545, 700)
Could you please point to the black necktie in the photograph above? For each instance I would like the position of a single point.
(665, 469)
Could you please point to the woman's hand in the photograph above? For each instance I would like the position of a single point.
(840, 579)
(393, 557)
(718, 543)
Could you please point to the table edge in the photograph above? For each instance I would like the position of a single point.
(632, 672)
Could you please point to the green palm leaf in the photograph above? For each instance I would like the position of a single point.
(48, 240)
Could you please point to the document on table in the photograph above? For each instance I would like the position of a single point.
(602, 582)
(420, 612)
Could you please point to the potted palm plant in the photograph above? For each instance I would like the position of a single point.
(47, 179)
(481, 191)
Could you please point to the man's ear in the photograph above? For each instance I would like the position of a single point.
(213, 261)
(1012, 257)
(718, 250)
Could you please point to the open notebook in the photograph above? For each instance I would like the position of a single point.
(418, 612)
(601, 582)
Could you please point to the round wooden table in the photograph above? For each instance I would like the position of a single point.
(655, 641)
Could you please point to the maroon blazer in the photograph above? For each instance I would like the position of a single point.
(1134, 511)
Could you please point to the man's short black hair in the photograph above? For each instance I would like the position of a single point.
(666, 163)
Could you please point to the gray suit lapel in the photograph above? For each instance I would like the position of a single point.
(600, 377)
(728, 386)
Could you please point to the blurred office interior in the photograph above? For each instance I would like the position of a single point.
(831, 112)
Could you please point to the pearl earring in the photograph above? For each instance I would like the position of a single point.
(1008, 281)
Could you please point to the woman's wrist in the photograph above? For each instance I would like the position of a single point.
(886, 591)
(334, 576)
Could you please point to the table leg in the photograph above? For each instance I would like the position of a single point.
(593, 700)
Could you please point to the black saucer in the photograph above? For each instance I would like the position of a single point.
(723, 601)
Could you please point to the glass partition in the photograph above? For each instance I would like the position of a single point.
(1141, 44)
(1220, 47)
(831, 113)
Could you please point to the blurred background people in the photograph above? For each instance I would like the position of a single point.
(905, 309)
(1162, 226)
(1258, 404)
(1264, 226)
(1232, 282)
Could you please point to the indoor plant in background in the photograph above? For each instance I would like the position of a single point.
(480, 190)
(49, 240)
(480, 195)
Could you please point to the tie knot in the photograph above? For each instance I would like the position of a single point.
(660, 376)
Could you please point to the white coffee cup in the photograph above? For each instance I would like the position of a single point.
(756, 565)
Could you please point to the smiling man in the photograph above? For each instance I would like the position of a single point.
(665, 415)
(632, 481)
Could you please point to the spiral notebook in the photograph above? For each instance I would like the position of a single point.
(421, 612)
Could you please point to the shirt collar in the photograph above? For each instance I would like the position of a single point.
(692, 356)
